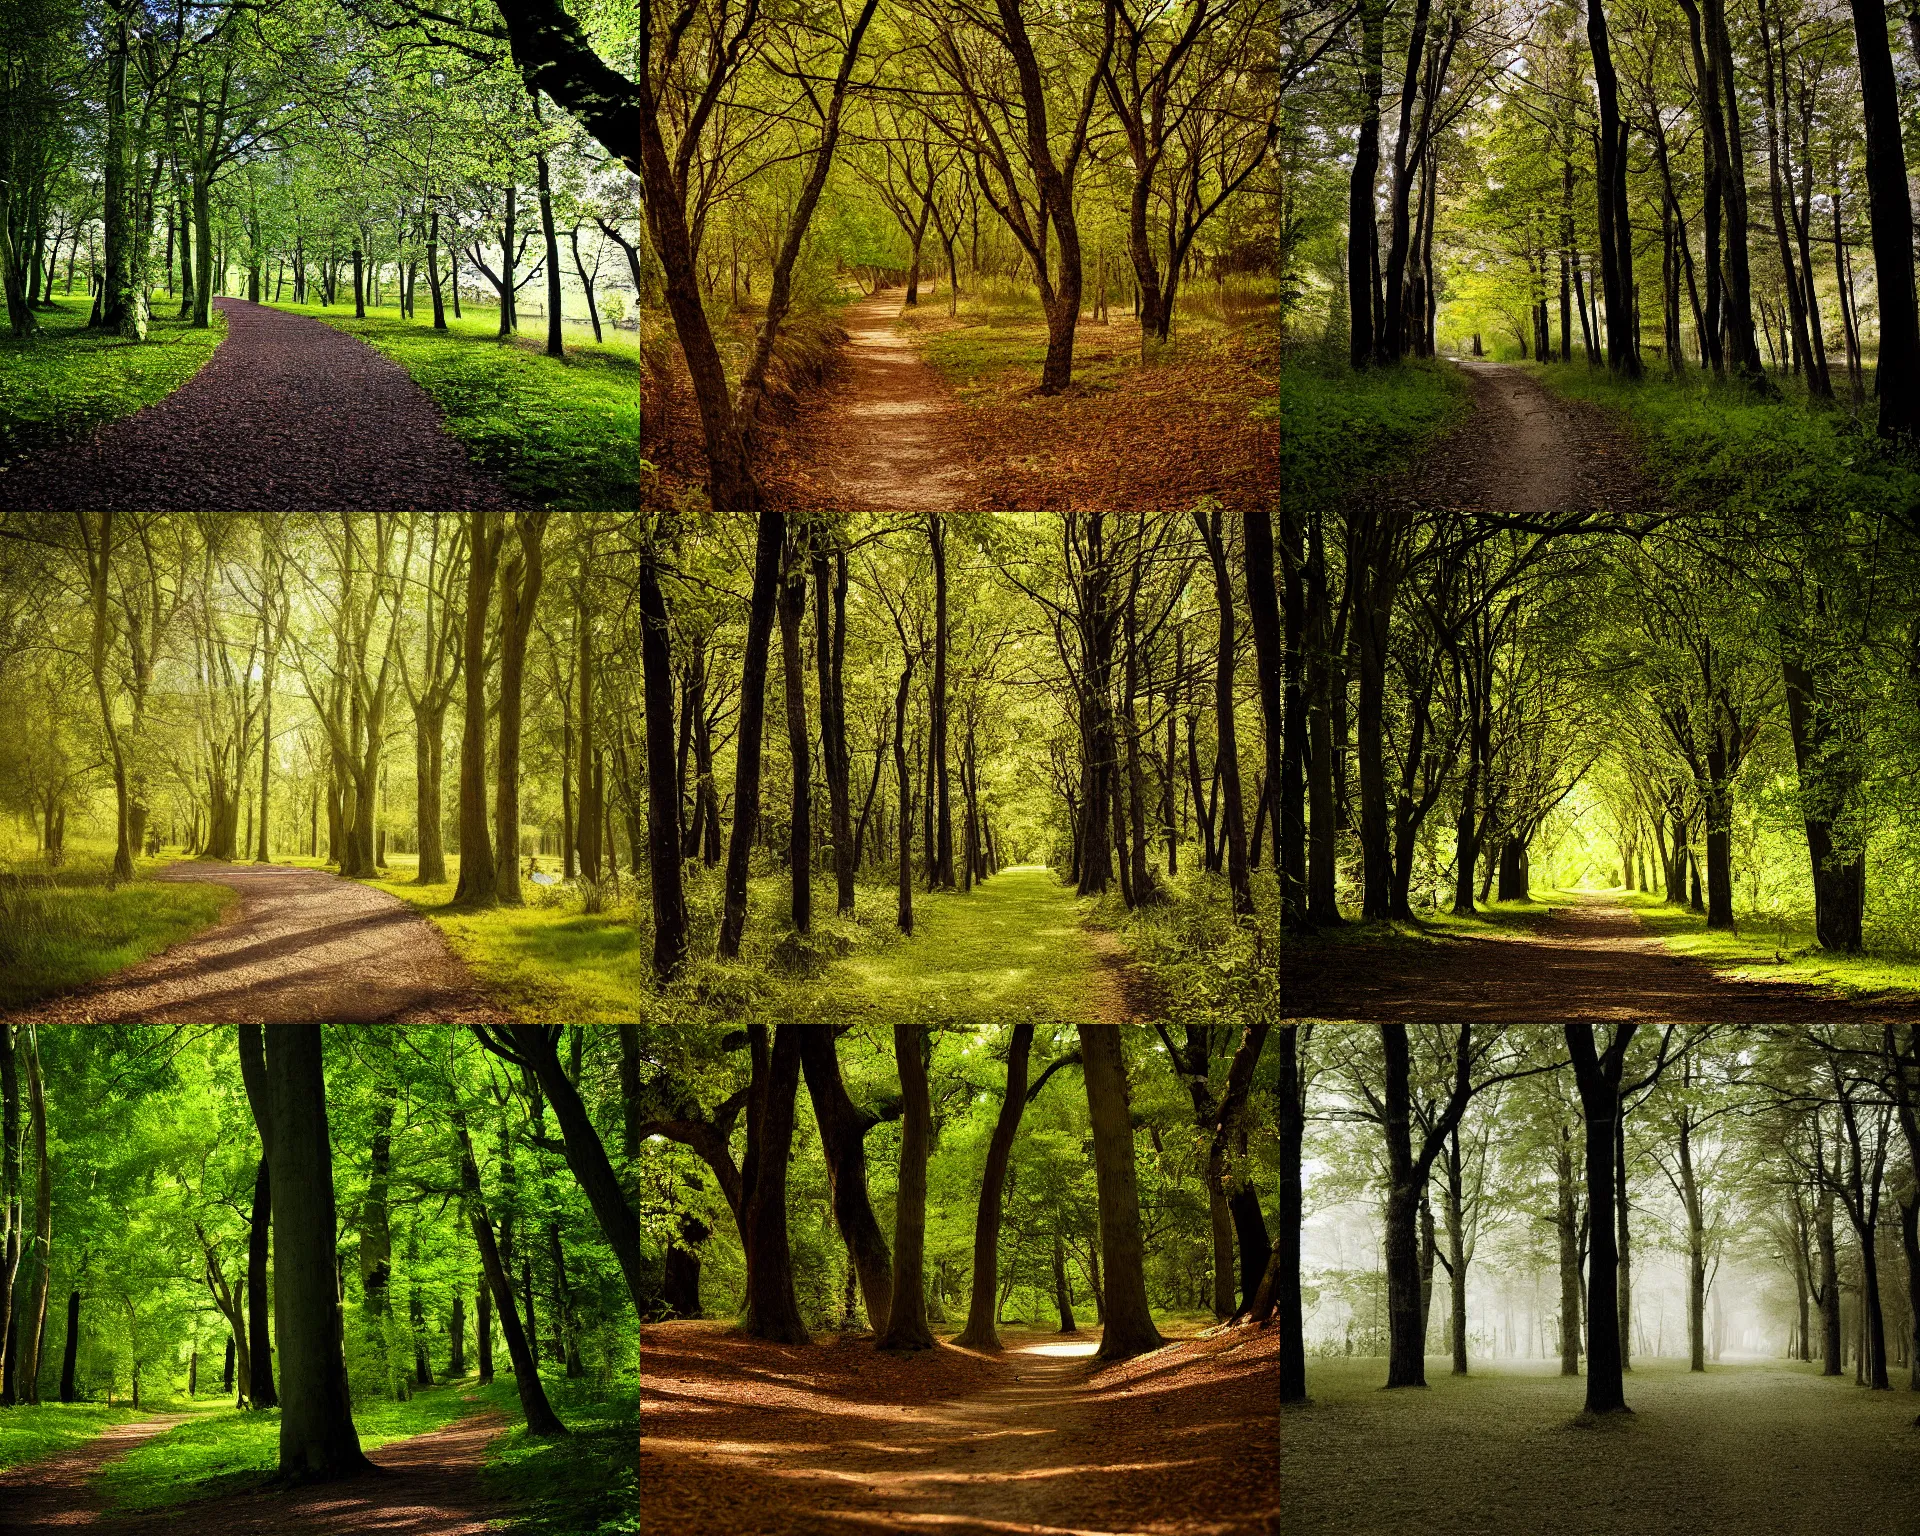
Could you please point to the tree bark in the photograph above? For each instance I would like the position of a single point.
(520, 584)
(843, 1141)
(979, 1332)
(476, 885)
(663, 790)
(1890, 206)
(907, 1314)
(773, 1312)
(1598, 1074)
(769, 545)
(1129, 1320)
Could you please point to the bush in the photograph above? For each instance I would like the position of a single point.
(1340, 429)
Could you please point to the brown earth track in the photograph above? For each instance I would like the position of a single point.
(301, 947)
(426, 1486)
(1592, 960)
(52, 1495)
(289, 415)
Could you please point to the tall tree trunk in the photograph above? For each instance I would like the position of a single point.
(769, 544)
(1897, 373)
(663, 790)
(843, 1140)
(1129, 1320)
(476, 885)
(520, 584)
(907, 1314)
(793, 679)
(979, 1332)
(773, 1312)
(1286, 1255)
(317, 1436)
(1598, 1074)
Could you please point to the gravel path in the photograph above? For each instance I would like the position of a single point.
(302, 947)
(426, 1486)
(1593, 960)
(289, 416)
(52, 1495)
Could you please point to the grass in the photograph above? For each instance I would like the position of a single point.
(37, 1432)
(547, 962)
(564, 435)
(1014, 949)
(68, 380)
(1768, 949)
(1489, 920)
(1764, 1449)
(61, 927)
(572, 1487)
(1341, 430)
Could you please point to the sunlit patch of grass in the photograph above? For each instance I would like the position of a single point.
(562, 434)
(1763, 947)
(61, 927)
(68, 380)
(587, 1484)
(33, 1433)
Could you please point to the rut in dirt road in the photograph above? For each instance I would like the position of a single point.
(53, 1495)
(290, 415)
(1592, 960)
(302, 947)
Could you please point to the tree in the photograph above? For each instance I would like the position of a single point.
(1129, 1320)
(982, 1308)
(843, 1134)
(1597, 1071)
(907, 1312)
(485, 531)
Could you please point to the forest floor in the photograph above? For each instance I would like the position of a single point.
(1588, 959)
(1766, 1449)
(741, 1435)
(53, 1494)
(299, 947)
(289, 415)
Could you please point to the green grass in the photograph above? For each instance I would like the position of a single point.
(1764, 948)
(1013, 949)
(35, 1433)
(587, 1484)
(564, 435)
(582, 1485)
(62, 927)
(1340, 429)
(68, 380)
(547, 962)
(1489, 920)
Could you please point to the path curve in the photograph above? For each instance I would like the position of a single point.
(426, 1486)
(884, 438)
(1590, 960)
(301, 947)
(290, 415)
(53, 1495)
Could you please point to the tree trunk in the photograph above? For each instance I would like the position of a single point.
(71, 1355)
(843, 1140)
(317, 1436)
(769, 544)
(476, 885)
(1598, 1074)
(520, 584)
(1286, 1254)
(793, 679)
(979, 1333)
(1129, 1320)
(907, 1314)
(663, 790)
(773, 1312)
(1897, 374)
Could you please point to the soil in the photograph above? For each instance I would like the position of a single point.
(300, 947)
(740, 1435)
(1591, 960)
(290, 415)
(52, 1495)
(882, 437)
(1124, 996)
(426, 1486)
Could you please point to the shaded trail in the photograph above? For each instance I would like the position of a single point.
(1592, 960)
(290, 415)
(882, 440)
(52, 1495)
(301, 947)
(426, 1486)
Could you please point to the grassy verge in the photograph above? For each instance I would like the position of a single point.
(547, 962)
(587, 1484)
(1767, 948)
(68, 380)
(564, 435)
(61, 927)
(1340, 430)
(35, 1433)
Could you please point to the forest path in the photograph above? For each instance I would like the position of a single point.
(882, 443)
(52, 1495)
(289, 416)
(426, 1486)
(1014, 947)
(301, 947)
(1592, 959)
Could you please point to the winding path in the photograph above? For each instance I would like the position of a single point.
(1591, 960)
(301, 947)
(887, 444)
(52, 1495)
(289, 416)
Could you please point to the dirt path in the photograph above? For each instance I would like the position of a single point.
(1591, 960)
(52, 1495)
(884, 439)
(290, 415)
(301, 947)
(426, 1486)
